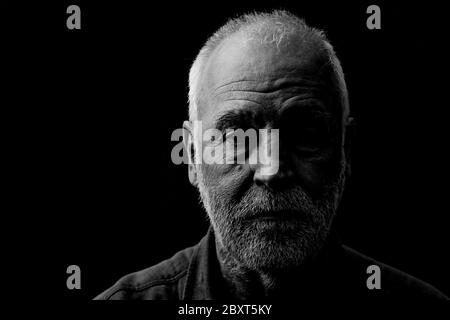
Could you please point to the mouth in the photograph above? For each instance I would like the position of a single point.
(280, 215)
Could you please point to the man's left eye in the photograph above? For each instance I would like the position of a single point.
(309, 140)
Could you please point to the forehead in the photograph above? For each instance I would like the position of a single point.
(243, 70)
(241, 53)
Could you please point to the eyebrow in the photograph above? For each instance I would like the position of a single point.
(235, 119)
(310, 109)
(245, 118)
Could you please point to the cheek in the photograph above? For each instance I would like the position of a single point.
(317, 174)
(228, 181)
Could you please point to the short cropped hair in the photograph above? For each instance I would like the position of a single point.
(270, 27)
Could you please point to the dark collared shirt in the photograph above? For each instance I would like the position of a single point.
(194, 274)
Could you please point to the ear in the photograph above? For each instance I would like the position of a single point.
(189, 146)
(348, 141)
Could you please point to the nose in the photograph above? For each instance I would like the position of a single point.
(274, 167)
(274, 180)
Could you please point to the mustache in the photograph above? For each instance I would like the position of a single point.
(257, 201)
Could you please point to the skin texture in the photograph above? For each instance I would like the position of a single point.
(270, 226)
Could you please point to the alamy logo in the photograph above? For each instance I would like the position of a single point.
(74, 278)
(374, 280)
(374, 20)
(74, 20)
(232, 146)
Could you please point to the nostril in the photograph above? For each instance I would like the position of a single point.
(258, 182)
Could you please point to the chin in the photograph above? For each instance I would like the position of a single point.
(272, 246)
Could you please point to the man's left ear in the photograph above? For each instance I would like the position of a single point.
(348, 139)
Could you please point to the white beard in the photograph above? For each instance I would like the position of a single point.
(262, 245)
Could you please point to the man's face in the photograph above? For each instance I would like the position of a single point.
(276, 221)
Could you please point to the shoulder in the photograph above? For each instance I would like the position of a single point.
(162, 281)
(394, 283)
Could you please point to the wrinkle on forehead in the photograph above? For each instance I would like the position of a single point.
(277, 95)
(240, 64)
(276, 80)
(269, 86)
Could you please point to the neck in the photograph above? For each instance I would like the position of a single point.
(243, 283)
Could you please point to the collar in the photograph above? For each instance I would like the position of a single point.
(204, 279)
(203, 271)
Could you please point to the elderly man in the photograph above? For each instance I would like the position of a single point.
(271, 232)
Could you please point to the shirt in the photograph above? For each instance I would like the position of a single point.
(338, 273)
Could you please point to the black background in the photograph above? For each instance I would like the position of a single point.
(94, 110)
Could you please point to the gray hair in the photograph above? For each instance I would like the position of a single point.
(270, 27)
